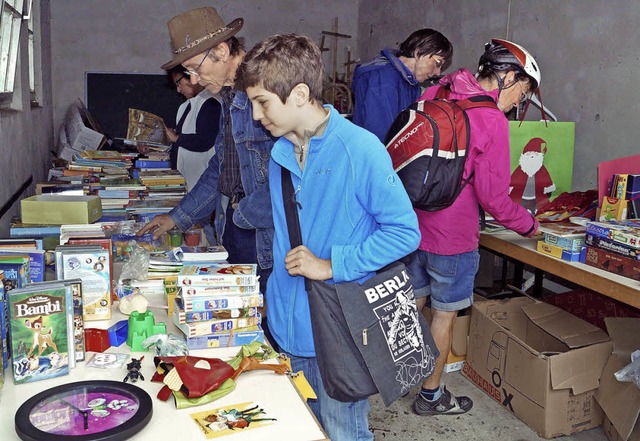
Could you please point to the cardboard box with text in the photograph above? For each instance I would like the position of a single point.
(540, 362)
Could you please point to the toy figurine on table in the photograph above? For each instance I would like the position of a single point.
(134, 367)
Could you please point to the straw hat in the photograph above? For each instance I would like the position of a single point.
(197, 31)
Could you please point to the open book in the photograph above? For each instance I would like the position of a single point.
(146, 128)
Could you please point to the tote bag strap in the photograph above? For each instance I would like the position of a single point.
(290, 208)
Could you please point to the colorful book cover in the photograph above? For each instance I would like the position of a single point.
(92, 267)
(233, 418)
(4, 323)
(203, 291)
(211, 314)
(16, 275)
(36, 261)
(212, 303)
(39, 332)
(218, 274)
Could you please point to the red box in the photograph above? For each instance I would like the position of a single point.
(590, 306)
(612, 262)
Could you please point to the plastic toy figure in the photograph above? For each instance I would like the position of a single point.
(134, 367)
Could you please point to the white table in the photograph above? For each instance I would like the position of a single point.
(275, 393)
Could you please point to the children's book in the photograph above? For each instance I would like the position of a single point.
(4, 325)
(218, 274)
(36, 261)
(16, 275)
(39, 332)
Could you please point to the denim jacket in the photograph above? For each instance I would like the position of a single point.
(254, 145)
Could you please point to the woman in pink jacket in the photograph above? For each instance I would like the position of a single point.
(446, 262)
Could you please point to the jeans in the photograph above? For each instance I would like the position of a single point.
(341, 421)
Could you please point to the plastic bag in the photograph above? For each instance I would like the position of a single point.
(631, 372)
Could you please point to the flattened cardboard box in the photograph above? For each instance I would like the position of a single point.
(59, 209)
(620, 401)
(540, 362)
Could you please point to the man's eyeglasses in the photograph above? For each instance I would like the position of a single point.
(195, 71)
(182, 77)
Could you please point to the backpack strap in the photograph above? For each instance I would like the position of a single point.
(477, 101)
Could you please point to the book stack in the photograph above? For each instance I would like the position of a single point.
(614, 246)
(217, 305)
(623, 201)
(562, 240)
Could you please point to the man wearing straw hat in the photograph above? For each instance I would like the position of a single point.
(235, 184)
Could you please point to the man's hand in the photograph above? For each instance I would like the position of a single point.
(143, 148)
(302, 262)
(172, 136)
(158, 226)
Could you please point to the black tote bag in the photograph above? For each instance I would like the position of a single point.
(369, 338)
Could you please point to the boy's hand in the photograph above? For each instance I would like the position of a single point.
(302, 262)
(158, 226)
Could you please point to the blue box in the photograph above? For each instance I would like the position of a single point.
(118, 332)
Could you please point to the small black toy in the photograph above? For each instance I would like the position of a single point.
(134, 370)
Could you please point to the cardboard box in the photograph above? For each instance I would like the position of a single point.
(58, 209)
(540, 362)
(620, 401)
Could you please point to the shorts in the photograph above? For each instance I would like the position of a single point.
(448, 280)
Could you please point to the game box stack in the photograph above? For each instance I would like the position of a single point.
(562, 240)
(217, 305)
(614, 246)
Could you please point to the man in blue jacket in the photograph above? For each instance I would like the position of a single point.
(236, 182)
(389, 83)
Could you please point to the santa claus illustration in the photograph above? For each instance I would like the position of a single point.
(531, 183)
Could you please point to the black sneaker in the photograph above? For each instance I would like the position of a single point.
(446, 404)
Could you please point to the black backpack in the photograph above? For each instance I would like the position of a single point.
(428, 142)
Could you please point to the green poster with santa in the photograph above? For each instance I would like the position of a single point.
(541, 161)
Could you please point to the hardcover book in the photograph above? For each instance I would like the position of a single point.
(39, 332)
(218, 274)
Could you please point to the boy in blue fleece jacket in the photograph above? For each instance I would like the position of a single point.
(355, 215)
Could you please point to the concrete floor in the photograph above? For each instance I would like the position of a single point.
(488, 420)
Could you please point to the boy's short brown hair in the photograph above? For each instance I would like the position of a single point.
(281, 62)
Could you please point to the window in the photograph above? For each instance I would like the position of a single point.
(35, 67)
(11, 11)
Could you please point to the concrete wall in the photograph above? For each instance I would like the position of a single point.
(131, 36)
(587, 50)
(26, 136)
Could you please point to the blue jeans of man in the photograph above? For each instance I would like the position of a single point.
(341, 421)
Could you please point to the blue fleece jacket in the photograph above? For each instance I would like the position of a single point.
(382, 88)
(354, 211)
